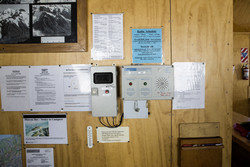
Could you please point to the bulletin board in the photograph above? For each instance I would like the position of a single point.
(194, 31)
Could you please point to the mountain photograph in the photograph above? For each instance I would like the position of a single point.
(51, 20)
(52, 1)
(37, 129)
(14, 24)
(10, 1)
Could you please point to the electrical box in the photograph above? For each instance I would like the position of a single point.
(153, 82)
(104, 91)
(135, 109)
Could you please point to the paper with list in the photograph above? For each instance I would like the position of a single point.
(147, 45)
(107, 36)
(45, 88)
(189, 85)
(14, 81)
(112, 135)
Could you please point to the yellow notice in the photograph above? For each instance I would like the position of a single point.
(112, 135)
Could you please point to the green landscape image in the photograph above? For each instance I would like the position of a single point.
(10, 151)
(37, 129)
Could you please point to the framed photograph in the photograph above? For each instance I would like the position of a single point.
(38, 26)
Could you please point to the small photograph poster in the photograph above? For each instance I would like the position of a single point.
(45, 129)
(189, 87)
(39, 157)
(10, 150)
(147, 45)
(14, 83)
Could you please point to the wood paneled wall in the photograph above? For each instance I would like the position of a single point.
(241, 15)
(241, 103)
(202, 31)
(199, 31)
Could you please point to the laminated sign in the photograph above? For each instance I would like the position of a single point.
(244, 55)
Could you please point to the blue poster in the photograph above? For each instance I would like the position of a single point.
(147, 45)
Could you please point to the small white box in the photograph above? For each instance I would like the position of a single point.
(135, 109)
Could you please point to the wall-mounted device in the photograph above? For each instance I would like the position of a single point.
(152, 82)
(135, 109)
(104, 91)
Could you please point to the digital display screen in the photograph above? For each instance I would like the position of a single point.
(103, 78)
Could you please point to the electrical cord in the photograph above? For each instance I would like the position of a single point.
(100, 120)
(108, 121)
(113, 121)
(109, 125)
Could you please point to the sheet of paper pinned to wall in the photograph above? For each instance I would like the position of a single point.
(76, 87)
(107, 36)
(46, 86)
(45, 129)
(189, 78)
(14, 82)
(147, 45)
(39, 157)
(112, 135)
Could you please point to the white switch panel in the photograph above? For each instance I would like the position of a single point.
(153, 82)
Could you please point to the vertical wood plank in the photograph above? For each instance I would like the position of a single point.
(202, 32)
(240, 87)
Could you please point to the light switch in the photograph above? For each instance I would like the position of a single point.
(94, 91)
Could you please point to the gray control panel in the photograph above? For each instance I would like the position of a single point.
(104, 91)
(152, 82)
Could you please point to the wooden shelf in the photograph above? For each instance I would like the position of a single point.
(197, 156)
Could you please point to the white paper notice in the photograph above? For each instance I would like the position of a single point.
(112, 135)
(45, 129)
(39, 157)
(52, 39)
(189, 85)
(76, 87)
(14, 82)
(46, 86)
(107, 36)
